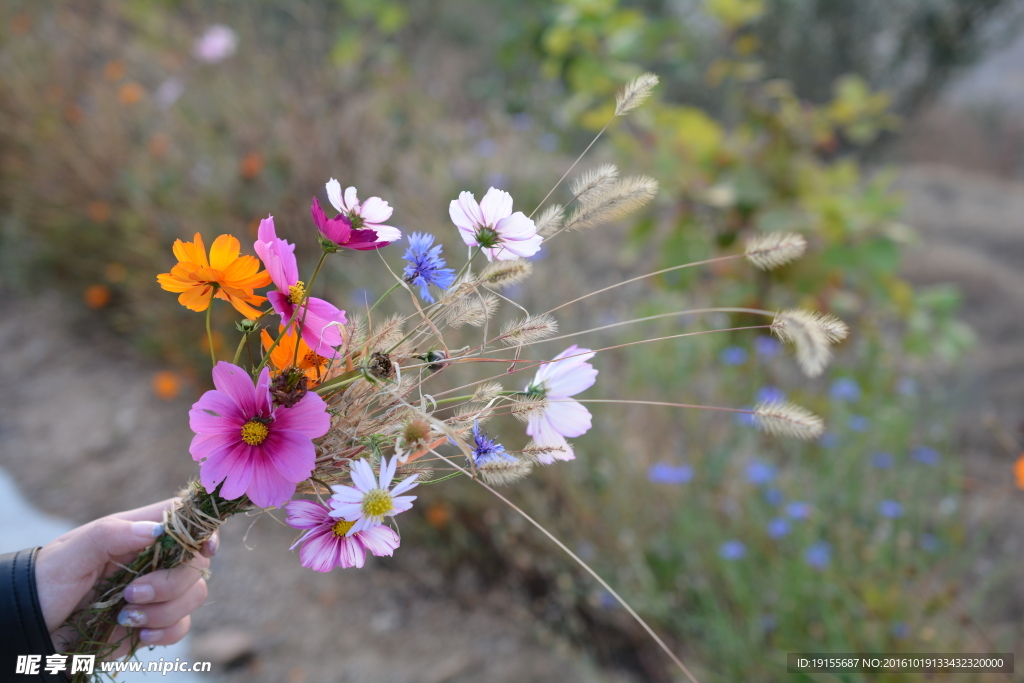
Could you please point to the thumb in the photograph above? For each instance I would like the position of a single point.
(108, 538)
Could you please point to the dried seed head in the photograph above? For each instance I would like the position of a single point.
(416, 433)
(502, 472)
(467, 414)
(773, 249)
(625, 196)
(380, 365)
(590, 184)
(788, 419)
(425, 472)
(525, 407)
(634, 94)
(388, 333)
(288, 387)
(528, 330)
(550, 220)
(485, 393)
(812, 333)
(471, 310)
(500, 274)
(535, 453)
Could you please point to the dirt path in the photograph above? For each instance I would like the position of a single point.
(83, 434)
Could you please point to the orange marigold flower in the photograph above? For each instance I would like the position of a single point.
(226, 275)
(313, 365)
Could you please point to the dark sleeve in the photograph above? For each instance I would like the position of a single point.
(22, 626)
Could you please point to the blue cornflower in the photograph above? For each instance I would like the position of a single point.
(925, 455)
(732, 550)
(773, 496)
(882, 461)
(426, 267)
(929, 543)
(759, 472)
(798, 509)
(829, 440)
(858, 423)
(890, 509)
(845, 389)
(733, 355)
(770, 394)
(486, 449)
(767, 347)
(818, 555)
(778, 527)
(667, 473)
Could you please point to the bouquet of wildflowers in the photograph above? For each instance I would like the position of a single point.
(337, 417)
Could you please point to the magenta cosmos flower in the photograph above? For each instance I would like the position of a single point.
(367, 503)
(566, 375)
(326, 543)
(369, 215)
(503, 235)
(321, 321)
(252, 447)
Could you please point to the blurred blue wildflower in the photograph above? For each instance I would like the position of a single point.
(767, 347)
(901, 629)
(829, 440)
(425, 265)
(929, 543)
(362, 297)
(548, 142)
(770, 394)
(845, 389)
(486, 449)
(486, 147)
(522, 121)
(607, 600)
(773, 496)
(667, 473)
(890, 509)
(732, 550)
(778, 527)
(769, 622)
(798, 509)
(496, 179)
(818, 555)
(924, 455)
(759, 472)
(857, 423)
(745, 419)
(906, 386)
(733, 355)
(882, 461)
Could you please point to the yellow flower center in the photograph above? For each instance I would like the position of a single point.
(297, 292)
(341, 528)
(377, 503)
(254, 432)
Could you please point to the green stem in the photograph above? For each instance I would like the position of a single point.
(209, 333)
(339, 382)
(385, 295)
(305, 311)
(241, 345)
(438, 481)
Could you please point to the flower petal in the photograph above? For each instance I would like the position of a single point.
(236, 384)
(320, 552)
(387, 471)
(465, 212)
(223, 251)
(308, 417)
(291, 453)
(375, 210)
(380, 540)
(362, 476)
(385, 233)
(306, 514)
(405, 485)
(334, 195)
(267, 487)
(351, 200)
(568, 417)
(495, 205)
(232, 466)
(216, 413)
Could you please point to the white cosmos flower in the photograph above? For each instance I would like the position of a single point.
(492, 225)
(370, 215)
(367, 503)
(566, 375)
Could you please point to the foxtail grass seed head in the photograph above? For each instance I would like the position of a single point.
(782, 418)
(590, 184)
(536, 453)
(486, 392)
(635, 93)
(502, 472)
(812, 333)
(550, 220)
(499, 274)
(528, 330)
(773, 249)
(616, 201)
(473, 310)
(525, 407)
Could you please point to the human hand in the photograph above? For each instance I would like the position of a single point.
(159, 603)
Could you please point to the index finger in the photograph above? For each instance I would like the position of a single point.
(149, 513)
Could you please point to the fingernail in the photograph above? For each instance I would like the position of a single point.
(139, 594)
(147, 529)
(131, 618)
(151, 635)
(212, 545)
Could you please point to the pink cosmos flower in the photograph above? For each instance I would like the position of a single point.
(326, 543)
(566, 375)
(217, 43)
(367, 504)
(321, 321)
(370, 215)
(252, 447)
(492, 225)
